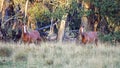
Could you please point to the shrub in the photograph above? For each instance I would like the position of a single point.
(21, 56)
(6, 51)
(111, 37)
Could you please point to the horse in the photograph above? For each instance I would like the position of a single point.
(88, 37)
(30, 36)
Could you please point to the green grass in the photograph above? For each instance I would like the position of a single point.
(57, 55)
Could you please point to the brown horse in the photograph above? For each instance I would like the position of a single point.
(88, 37)
(30, 37)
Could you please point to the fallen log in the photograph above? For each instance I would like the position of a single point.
(45, 27)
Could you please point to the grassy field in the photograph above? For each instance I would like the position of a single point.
(57, 55)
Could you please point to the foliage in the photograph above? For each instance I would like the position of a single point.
(117, 36)
(58, 13)
(74, 15)
(43, 11)
(111, 37)
(108, 8)
(39, 12)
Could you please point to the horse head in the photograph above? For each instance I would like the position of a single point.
(81, 29)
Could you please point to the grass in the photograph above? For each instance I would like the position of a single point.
(59, 55)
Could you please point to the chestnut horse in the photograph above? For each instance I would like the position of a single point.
(88, 37)
(30, 37)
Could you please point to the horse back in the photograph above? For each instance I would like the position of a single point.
(91, 36)
(34, 34)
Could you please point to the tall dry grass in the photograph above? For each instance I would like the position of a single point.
(59, 55)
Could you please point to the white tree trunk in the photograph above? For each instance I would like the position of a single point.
(51, 27)
(2, 13)
(62, 28)
(84, 19)
(26, 6)
(2, 2)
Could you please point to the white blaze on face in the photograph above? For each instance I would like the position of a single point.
(81, 29)
(25, 29)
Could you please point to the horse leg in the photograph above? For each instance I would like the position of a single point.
(30, 41)
(38, 40)
(96, 42)
(20, 41)
(78, 41)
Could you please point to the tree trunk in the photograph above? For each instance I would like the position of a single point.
(84, 19)
(51, 27)
(2, 12)
(26, 6)
(96, 23)
(98, 19)
(62, 28)
(2, 2)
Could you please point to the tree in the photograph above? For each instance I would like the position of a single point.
(108, 10)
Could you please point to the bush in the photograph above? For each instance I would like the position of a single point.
(21, 56)
(6, 51)
(117, 36)
(39, 12)
(111, 37)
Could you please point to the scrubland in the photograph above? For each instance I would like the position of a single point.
(59, 55)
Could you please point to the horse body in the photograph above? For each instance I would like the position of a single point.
(30, 37)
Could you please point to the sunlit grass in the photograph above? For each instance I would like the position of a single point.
(58, 55)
